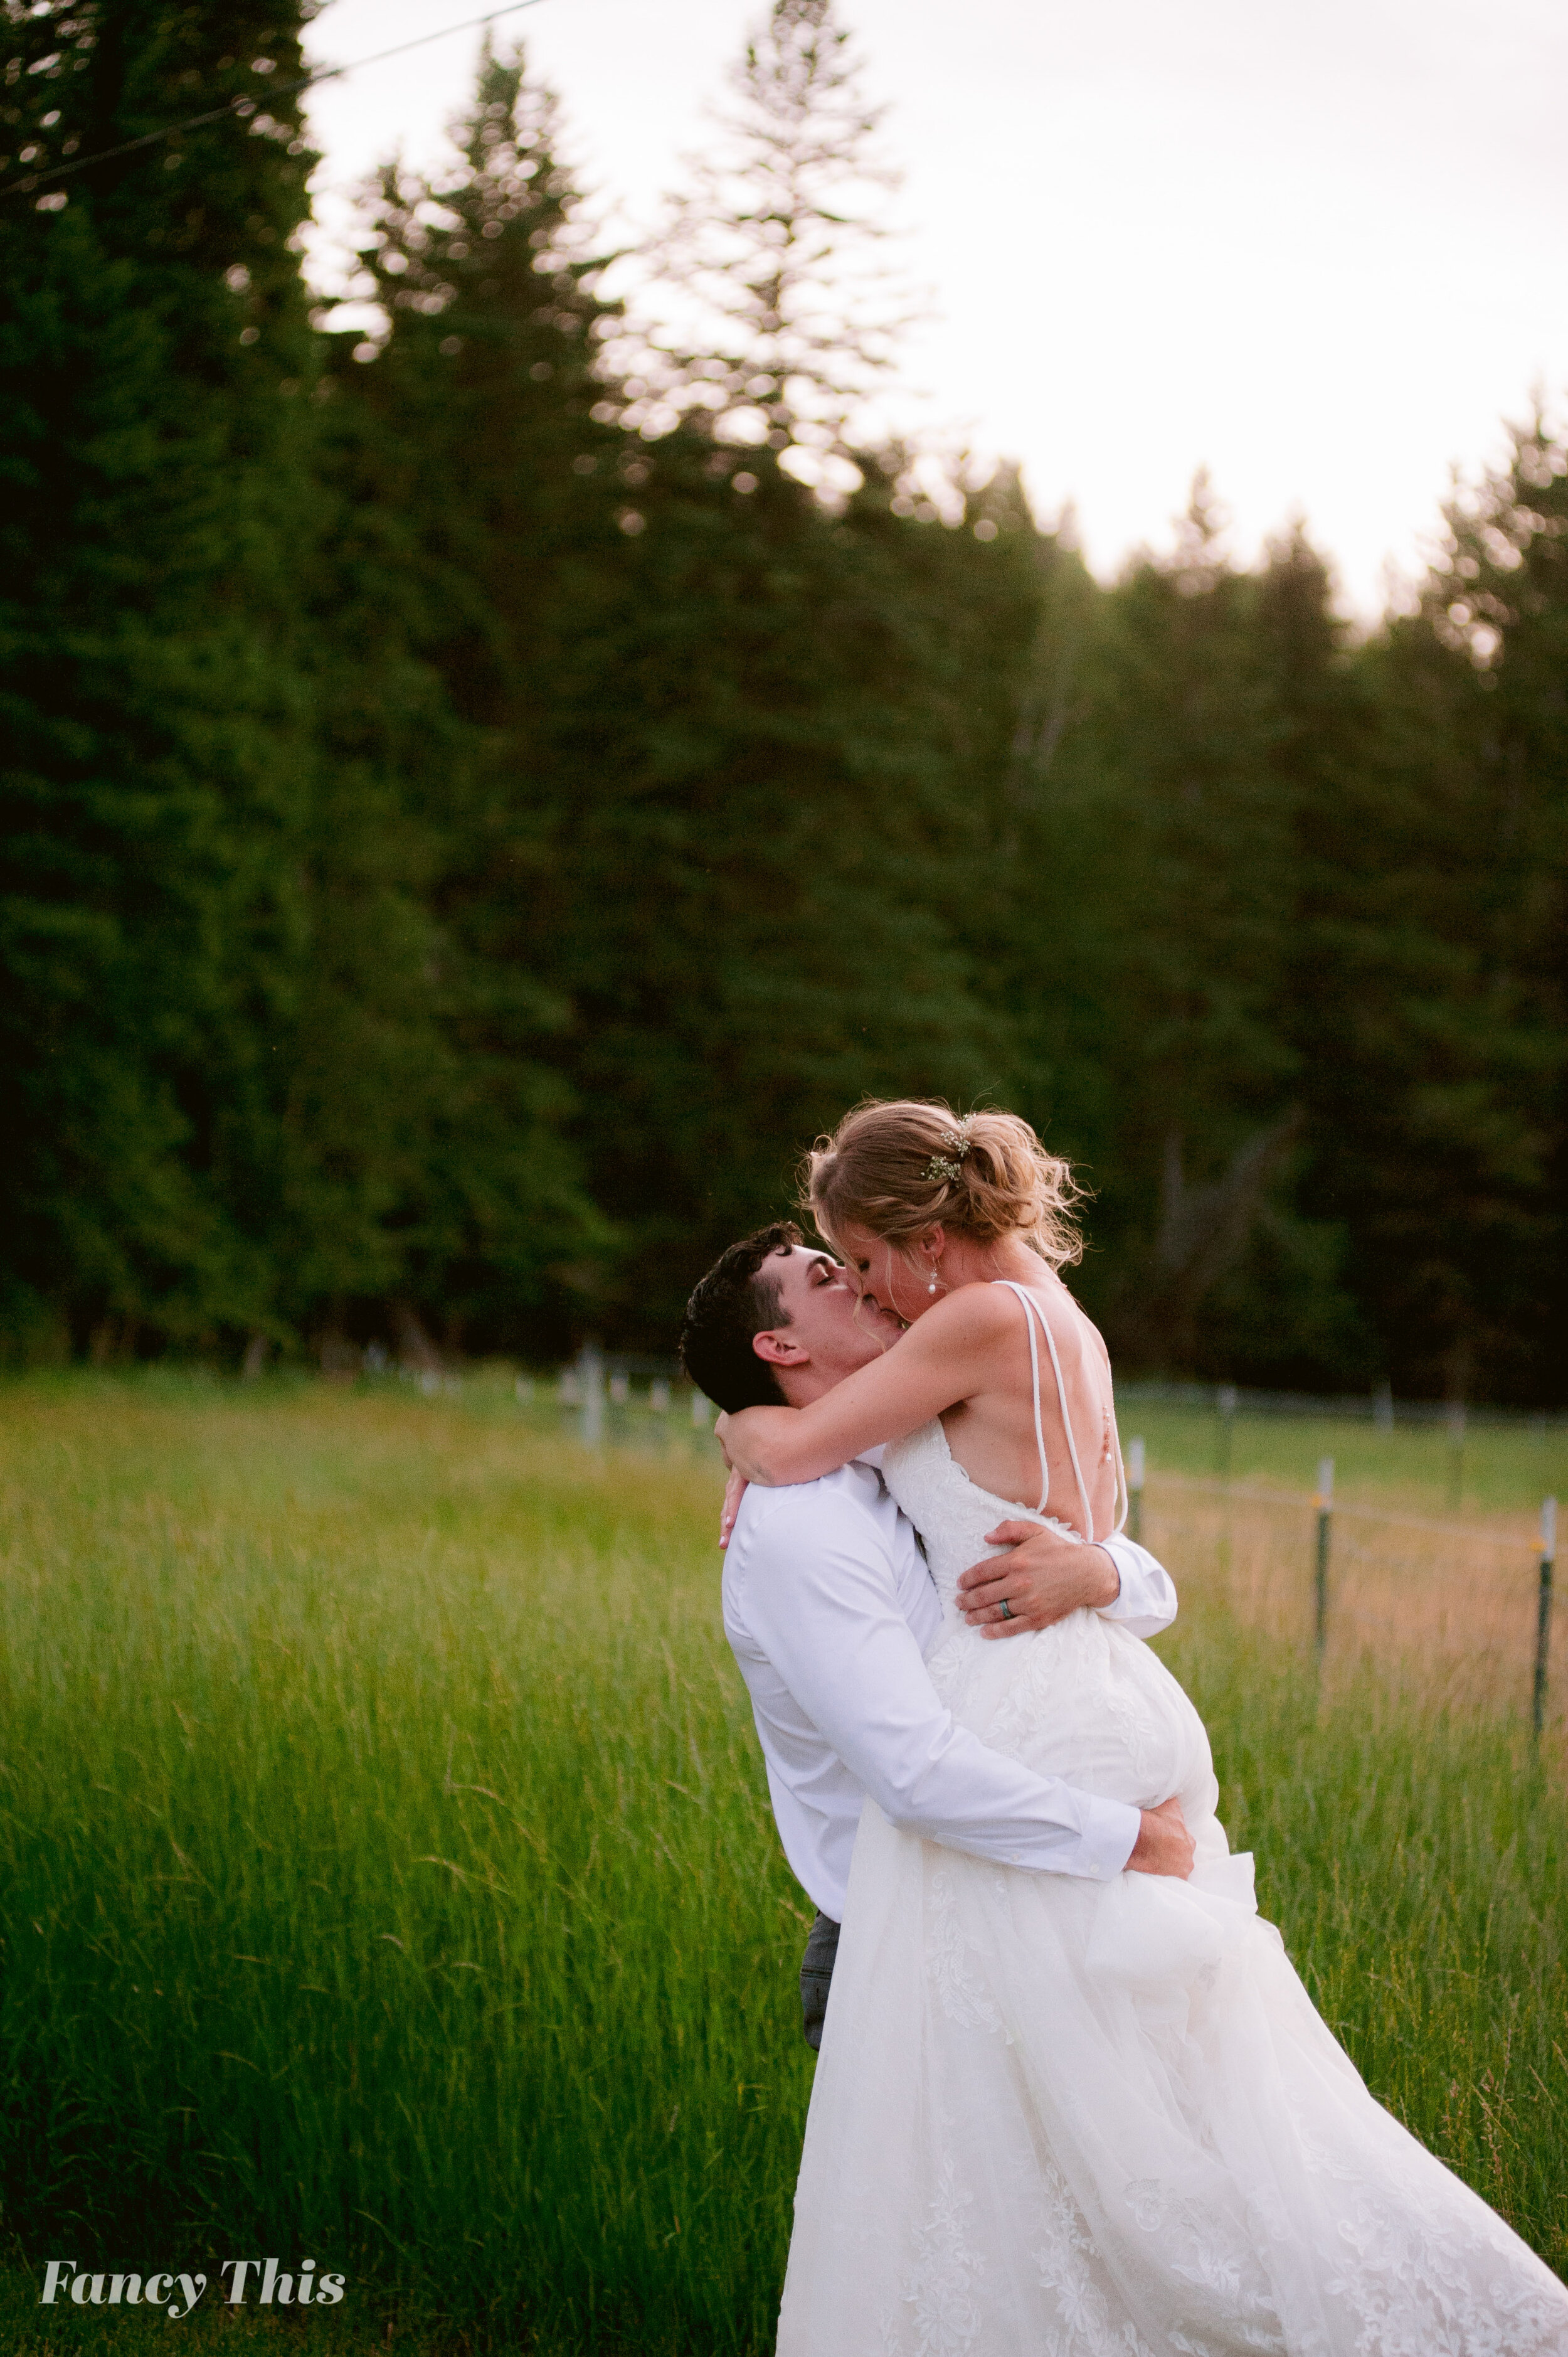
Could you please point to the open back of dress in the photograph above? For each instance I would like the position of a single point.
(1034, 1312)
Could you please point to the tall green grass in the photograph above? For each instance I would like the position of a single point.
(386, 1875)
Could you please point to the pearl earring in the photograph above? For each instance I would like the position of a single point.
(932, 1287)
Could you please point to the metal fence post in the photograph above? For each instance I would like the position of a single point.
(591, 1379)
(1225, 1401)
(1543, 1613)
(1325, 1504)
(702, 1413)
(1455, 1453)
(1136, 1490)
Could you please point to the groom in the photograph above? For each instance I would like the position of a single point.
(830, 1611)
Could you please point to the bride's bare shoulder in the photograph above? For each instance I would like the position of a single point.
(1065, 1314)
(970, 1313)
(1087, 1324)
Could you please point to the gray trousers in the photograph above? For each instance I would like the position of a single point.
(816, 1976)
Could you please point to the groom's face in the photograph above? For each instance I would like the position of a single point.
(825, 1331)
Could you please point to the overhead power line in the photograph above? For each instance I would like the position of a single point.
(249, 101)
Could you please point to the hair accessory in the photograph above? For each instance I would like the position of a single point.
(948, 1166)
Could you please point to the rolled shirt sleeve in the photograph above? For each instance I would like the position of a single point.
(818, 1595)
(1147, 1601)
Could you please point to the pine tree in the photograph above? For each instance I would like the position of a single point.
(476, 453)
(669, 876)
(1446, 1107)
(1162, 781)
(151, 311)
(485, 389)
(1295, 1315)
(778, 320)
(220, 1024)
(763, 873)
(1190, 838)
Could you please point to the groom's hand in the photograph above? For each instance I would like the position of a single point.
(1042, 1579)
(1163, 1845)
(734, 1490)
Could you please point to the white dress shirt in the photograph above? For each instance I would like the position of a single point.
(830, 1611)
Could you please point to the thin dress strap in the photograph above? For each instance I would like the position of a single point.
(1035, 1379)
(1032, 1310)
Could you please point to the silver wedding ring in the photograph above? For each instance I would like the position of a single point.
(1006, 1609)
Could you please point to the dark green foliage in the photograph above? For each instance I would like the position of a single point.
(153, 726)
(1166, 784)
(1442, 1062)
(783, 814)
(1304, 1017)
(233, 1027)
(214, 1031)
(469, 822)
(478, 498)
(695, 854)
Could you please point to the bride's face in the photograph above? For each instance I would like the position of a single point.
(887, 1275)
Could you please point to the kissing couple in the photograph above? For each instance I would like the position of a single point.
(1071, 2098)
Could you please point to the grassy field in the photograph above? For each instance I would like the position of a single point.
(388, 1877)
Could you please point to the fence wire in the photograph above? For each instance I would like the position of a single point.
(1450, 1609)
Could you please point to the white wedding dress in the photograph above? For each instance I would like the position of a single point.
(1056, 2117)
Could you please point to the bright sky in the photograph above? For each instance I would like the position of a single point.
(1319, 246)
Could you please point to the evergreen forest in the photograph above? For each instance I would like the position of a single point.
(480, 796)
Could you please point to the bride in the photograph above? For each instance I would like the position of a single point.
(1056, 2117)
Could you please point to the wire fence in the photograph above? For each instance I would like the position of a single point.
(1460, 1610)
(1379, 1408)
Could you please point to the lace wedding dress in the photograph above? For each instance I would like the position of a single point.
(1055, 2117)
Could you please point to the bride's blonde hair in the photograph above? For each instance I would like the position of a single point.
(898, 1165)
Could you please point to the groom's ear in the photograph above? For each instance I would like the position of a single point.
(777, 1345)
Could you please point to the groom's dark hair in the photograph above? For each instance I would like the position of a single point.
(736, 1300)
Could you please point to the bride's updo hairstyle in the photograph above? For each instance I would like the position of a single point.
(898, 1166)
